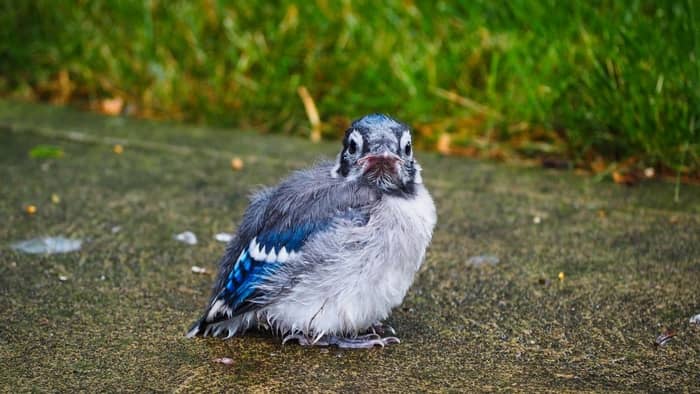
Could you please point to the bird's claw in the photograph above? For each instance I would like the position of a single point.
(366, 341)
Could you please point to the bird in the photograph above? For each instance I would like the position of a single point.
(323, 257)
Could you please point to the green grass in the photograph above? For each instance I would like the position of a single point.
(581, 80)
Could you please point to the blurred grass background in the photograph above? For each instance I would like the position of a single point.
(600, 85)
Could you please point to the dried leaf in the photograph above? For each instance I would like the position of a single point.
(112, 106)
(623, 179)
(311, 113)
(443, 144)
(598, 165)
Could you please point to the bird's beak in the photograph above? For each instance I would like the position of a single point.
(380, 161)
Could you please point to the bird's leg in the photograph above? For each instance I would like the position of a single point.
(366, 341)
(305, 340)
(381, 329)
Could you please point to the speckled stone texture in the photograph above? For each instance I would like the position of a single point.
(630, 258)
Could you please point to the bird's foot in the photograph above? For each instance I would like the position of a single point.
(367, 341)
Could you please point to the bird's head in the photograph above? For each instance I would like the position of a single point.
(377, 149)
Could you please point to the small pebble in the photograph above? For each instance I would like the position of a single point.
(224, 360)
(695, 319)
(62, 278)
(537, 220)
(55, 199)
(665, 337)
(236, 164)
(199, 270)
(486, 259)
(187, 237)
(223, 237)
(116, 229)
(649, 172)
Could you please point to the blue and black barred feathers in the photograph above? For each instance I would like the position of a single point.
(258, 260)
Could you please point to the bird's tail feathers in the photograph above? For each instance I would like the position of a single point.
(220, 325)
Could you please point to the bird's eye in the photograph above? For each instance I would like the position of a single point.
(352, 148)
(407, 149)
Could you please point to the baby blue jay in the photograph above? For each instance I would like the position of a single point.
(324, 256)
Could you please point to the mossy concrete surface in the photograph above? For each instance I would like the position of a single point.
(630, 258)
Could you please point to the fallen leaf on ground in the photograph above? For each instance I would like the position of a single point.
(112, 106)
(623, 179)
(46, 152)
(598, 165)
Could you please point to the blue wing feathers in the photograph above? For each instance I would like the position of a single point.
(254, 266)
